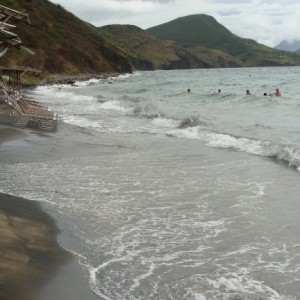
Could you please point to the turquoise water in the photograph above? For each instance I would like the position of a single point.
(173, 195)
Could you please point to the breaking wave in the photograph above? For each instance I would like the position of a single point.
(284, 152)
(190, 122)
(148, 111)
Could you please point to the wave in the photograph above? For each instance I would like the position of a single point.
(149, 111)
(190, 128)
(133, 99)
(80, 83)
(285, 152)
(165, 122)
(190, 122)
(100, 98)
(126, 76)
(113, 105)
(82, 122)
(58, 95)
(161, 122)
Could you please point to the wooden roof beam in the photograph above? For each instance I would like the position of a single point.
(8, 38)
(8, 13)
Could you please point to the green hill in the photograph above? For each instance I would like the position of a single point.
(201, 31)
(147, 52)
(193, 31)
(62, 42)
(196, 41)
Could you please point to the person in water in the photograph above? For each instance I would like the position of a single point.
(248, 92)
(277, 93)
(188, 90)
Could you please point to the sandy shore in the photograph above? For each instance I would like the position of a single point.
(29, 252)
(32, 264)
(7, 134)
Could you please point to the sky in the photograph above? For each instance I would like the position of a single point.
(266, 21)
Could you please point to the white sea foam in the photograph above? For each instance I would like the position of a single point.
(82, 122)
(61, 96)
(125, 76)
(255, 147)
(198, 296)
(113, 105)
(87, 82)
(190, 133)
(244, 287)
(165, 122)
(137, 281)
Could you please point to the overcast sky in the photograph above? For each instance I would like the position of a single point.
(266, 21)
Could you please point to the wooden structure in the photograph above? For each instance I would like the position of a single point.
(23, 112)
(8, 38)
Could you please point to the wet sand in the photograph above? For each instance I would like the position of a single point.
(32, 264)
(8, 134)
(29, 252)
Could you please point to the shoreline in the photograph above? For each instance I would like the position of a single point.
(29, 250)
(33, 265)
(53, 79)
(69, 78)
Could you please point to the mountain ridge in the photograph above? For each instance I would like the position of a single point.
(183, 31)
(147, 52)
(181, 46)
(285, 45)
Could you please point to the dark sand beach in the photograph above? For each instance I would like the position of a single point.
(32, 264)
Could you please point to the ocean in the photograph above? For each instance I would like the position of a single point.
(164, 194)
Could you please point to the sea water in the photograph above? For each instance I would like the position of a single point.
(165, 194)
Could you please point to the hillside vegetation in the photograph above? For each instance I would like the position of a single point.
(147, 52)
(62, 42)
(195, 41)
(198, 31)
(195, 30)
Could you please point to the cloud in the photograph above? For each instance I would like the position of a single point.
(266, 21)
(112, 11)
(269, 24)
